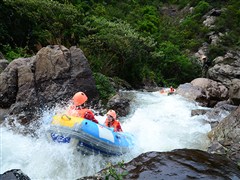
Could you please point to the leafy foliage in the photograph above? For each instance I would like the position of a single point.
(104, 86)
(40, 22)
(229, 22)
(137, 41)
(112, 172)
(126, 49)
(11, 54)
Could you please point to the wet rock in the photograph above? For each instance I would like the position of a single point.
(181, 164)
(14, 174)
(225, 105)
(216, 115)
(219, 112)
(196, 112)
(120, 104)
(178, 164)
(3, 114)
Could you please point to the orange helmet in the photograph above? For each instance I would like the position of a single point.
(112, 113)
(79, 98)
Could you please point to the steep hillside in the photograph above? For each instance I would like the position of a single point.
(142, 42)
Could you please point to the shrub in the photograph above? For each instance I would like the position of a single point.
(104, 86)
(216, 50)
(14, 53)
(112, 172)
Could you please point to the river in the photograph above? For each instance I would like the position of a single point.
(159, 123)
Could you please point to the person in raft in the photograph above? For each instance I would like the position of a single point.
(78, 110)
(172, 90)
(112, 121)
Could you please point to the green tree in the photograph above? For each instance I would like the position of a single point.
(41, 22)
(115, 48)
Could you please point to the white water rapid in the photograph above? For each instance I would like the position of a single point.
(159, 123)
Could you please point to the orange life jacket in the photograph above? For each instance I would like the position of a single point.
(171, 89)
(115, 124)
(84, 113)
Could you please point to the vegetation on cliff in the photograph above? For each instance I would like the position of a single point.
(138, 41)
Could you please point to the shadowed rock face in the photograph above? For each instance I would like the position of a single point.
(180, 164)
(55, 74)
(225, 138)
(14, 174)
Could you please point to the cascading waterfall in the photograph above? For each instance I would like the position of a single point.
(159, 123)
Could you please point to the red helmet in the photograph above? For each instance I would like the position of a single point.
(112, 113)
(79, 98)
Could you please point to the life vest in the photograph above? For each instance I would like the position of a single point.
(171, 90)
(84, 113)
(115, 124)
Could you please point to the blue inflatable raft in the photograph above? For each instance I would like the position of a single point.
(89, 137)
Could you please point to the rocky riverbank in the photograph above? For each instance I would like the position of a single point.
(56, 73)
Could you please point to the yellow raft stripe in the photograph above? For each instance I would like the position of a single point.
(65, 120)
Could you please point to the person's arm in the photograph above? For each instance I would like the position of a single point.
(117, 127)
(89, 115)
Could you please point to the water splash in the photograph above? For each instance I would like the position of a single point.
(159, 123)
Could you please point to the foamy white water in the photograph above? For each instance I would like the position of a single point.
(159, 123)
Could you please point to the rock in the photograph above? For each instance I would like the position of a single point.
(3, 64)
(53, 76)
(14, 174)
(234, 91)
(226, 68)
(227, 133)
(219, 111)
(209, 21)
(3, 114)
(178, 164)
(188, 91)
(214, 90)
(210, 18)
(225, 105)
(120, 104)
(205, 91)
(196, 112)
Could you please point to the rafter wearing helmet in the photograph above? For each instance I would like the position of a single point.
(78, 110)
(112, 121)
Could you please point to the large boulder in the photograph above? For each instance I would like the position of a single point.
(234, 91)
(205, 91)
(120, 104)
(50, 77)
(178, 164)
(214, 91)
(226, 70)
(225, 137)
(3, 64)
(14, 174)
